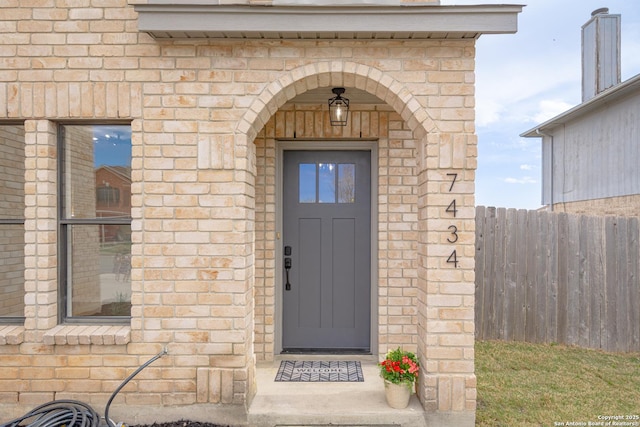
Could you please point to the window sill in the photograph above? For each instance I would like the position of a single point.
(11, 335)
(88, 334)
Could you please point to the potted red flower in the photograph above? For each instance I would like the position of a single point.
(400, 371)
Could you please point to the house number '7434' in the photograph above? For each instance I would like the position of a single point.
(452, 209)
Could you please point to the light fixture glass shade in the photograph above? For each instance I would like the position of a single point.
(338, 108)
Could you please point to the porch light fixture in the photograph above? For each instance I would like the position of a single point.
(338, 108)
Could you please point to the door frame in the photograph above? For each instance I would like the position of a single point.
(346, 144)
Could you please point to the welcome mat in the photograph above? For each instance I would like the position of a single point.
(318, 371)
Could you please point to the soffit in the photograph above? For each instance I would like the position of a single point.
(195, 19)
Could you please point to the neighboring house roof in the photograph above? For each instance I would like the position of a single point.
(608, 96)
(169, 19)
(123, 171)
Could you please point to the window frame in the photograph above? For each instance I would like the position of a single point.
(64, 228)
(14, 320)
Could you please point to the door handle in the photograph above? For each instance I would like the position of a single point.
(287, 267)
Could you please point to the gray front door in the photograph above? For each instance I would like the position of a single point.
(327, 251)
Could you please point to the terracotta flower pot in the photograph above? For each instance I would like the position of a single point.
(397, 395)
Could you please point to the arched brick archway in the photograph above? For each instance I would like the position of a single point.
(331, 74)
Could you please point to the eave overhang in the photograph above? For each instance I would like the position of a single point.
(606, 97)
(170, 19)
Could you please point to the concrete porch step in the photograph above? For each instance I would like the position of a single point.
(320, 404)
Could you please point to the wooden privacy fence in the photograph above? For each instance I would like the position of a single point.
(547, 277)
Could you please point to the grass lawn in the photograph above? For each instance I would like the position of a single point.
(522, 384)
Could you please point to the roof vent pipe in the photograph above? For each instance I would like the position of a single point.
(600, 53)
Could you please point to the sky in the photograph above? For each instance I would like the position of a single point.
(112, 145)
(526, 78)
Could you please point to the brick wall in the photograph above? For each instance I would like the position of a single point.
(204, 116)
(614, 206)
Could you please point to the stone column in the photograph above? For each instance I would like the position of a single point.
(446, 277)
(41, 255)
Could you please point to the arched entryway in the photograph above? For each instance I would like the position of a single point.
(378, 135)
(377, 128)
(414, 162)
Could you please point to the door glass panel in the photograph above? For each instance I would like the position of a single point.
(307, 179)
(346, 183)
(327, 181)
(317, 182)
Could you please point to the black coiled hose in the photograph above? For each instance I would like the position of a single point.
(72, 413)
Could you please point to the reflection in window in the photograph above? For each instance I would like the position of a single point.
(96, 223)
(99, 270)
(307, 179)
(12, 207)
(327, 183)
(347, 183)
(107, 196)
